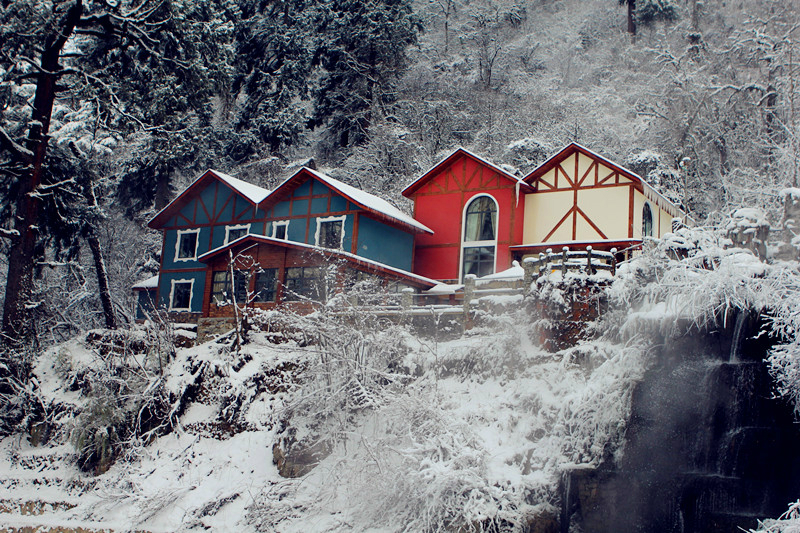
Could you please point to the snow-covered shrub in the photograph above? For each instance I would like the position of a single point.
(126, 403)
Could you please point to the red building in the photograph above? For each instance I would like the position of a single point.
(475, 210)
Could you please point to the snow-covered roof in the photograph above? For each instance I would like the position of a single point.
(145, 284)
(340, 253)
(515, 272)
(254, 193)
(366, 200)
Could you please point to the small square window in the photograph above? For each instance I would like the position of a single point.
(330, 232)
(235, 232)
(221, 290)
(181, 295)
(304, 283)
(280, 230)
(186, 246)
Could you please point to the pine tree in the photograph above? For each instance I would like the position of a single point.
(108, 53)
(362, 51)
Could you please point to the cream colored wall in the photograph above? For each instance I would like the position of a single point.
(666, 223)
(608, 209)
(542, 212)
(659, 216)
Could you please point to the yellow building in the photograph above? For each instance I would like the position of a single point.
(581, 198)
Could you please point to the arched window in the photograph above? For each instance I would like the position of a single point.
(479, 239)
(647, 221)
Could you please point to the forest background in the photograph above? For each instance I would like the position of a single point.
(108, 108)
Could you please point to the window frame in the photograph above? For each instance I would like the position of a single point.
(289, 294)
(234, 227)
(649, 210)
(230, 286)
(275, 282)
(275, 224)
(174, 282)
(478, 244)
(181, 233)
(318, 232)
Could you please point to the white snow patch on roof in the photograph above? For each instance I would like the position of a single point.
(369, 201)
(149, 283)
(515, 272)
(254, 193)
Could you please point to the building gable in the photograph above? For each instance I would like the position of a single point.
(580, 196)
(213, 198)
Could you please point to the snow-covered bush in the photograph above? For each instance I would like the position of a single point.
(126, 403)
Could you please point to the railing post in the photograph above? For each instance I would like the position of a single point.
(407, 299)
(589, 266)
(549, 253)
(542, 263)
(613, 261)
(527, 279)
(564, 252)
(469, 293)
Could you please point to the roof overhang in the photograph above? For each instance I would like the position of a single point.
(638, 182)
(356, 196)
(461, 152)
(360, 263)
(253, 194)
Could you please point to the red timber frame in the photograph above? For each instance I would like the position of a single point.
(254, 252)
(328, 192)
(592, 178)
(440, 197)
(243, 212)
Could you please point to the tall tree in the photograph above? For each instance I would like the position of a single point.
(362, 51)
(106, 52)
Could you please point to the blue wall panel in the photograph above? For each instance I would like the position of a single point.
(385, 244)
(319, 205)
(338, 203)
(304, 189)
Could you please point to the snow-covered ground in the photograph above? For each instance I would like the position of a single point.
(414, 432)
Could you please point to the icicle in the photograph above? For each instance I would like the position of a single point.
(516, 192)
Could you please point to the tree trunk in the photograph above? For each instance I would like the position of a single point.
(102, 280)
(17, 324)
(632, 17)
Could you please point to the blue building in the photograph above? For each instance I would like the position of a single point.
(309, 219)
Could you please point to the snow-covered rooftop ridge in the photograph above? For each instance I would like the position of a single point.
(649, 191)
(149, 283)
(369, 201)
(254, 193)
(515, 272)
(489, 164)
(340, 253)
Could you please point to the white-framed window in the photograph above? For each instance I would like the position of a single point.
(479, 236)
(236, 231)
(186, 244)
(180, 295)
(330, 232)
(280, 230)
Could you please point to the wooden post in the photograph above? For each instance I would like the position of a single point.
(542, 263)
(407, 299)
(589, 266)
(613, 261)
(469, 293)
(564, 252)
(528, 266)
(549, 253)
